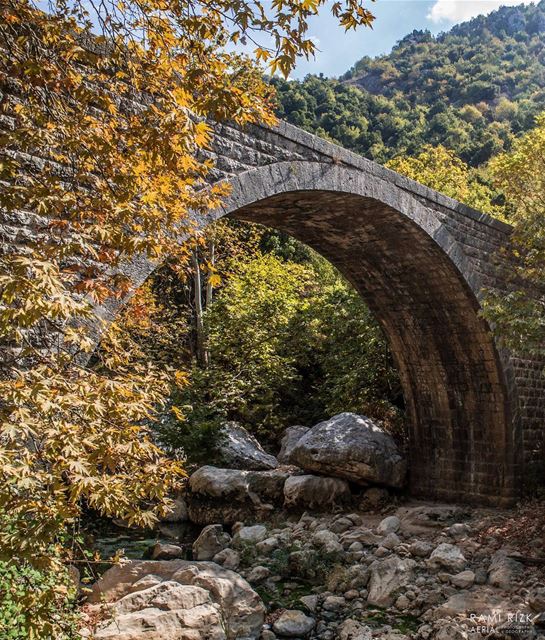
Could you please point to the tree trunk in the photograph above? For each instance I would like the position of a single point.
(209, 287)
(202, 356)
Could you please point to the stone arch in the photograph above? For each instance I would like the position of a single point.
(419, 283)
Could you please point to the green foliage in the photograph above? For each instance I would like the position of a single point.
(22, 588)
(254, 333)
(191, 430)
(356, 372)
(36, 601)
(517, 318)
(439, 169)
(289, 343)
(470, 89)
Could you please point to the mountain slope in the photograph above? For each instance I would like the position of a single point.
(470, 89)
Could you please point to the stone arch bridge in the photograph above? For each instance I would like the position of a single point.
(420, 260)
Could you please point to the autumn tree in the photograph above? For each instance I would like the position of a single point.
(105, 112)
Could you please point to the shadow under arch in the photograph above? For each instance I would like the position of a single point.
(418, 282)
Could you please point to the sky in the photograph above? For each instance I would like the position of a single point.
(393, 20)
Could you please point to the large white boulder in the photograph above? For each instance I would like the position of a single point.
(240, 450)
(165, 610)
(150, 601)
(352, 447)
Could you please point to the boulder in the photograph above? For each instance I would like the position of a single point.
(293, 623)
(464, 579)
(238, 449)
(258, 574)
(327, 540)
(391, 541)
(231, 495)
(447, 556)
(355, 577)
(167, 610)
(267, 546)
(374, 498)
(420, 548)
(292, 435)
(363, 535)
(351, 447)
(479, 602)
(211, 541)
(386, 577)
(315, 492)
(310, 602)
(232, 606)
(536, 599)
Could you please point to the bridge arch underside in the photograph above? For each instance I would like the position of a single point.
(461, 440)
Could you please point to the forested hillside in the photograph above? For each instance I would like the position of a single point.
(471, 89)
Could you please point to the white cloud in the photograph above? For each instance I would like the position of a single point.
(460, 10)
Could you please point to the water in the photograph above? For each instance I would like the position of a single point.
(108, 539)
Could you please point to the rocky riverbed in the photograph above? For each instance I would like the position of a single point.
(284, 552)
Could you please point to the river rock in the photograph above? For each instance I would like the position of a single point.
(447, 556)
(293, 624)
(315, 492)
(351, 447)
(353, 630)
(240, 450)
(292, 435)
(387, 576)
(464, 579)
(250, 535)
(388, 525)
(165, 551)
(231, 601)
(210, 542)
